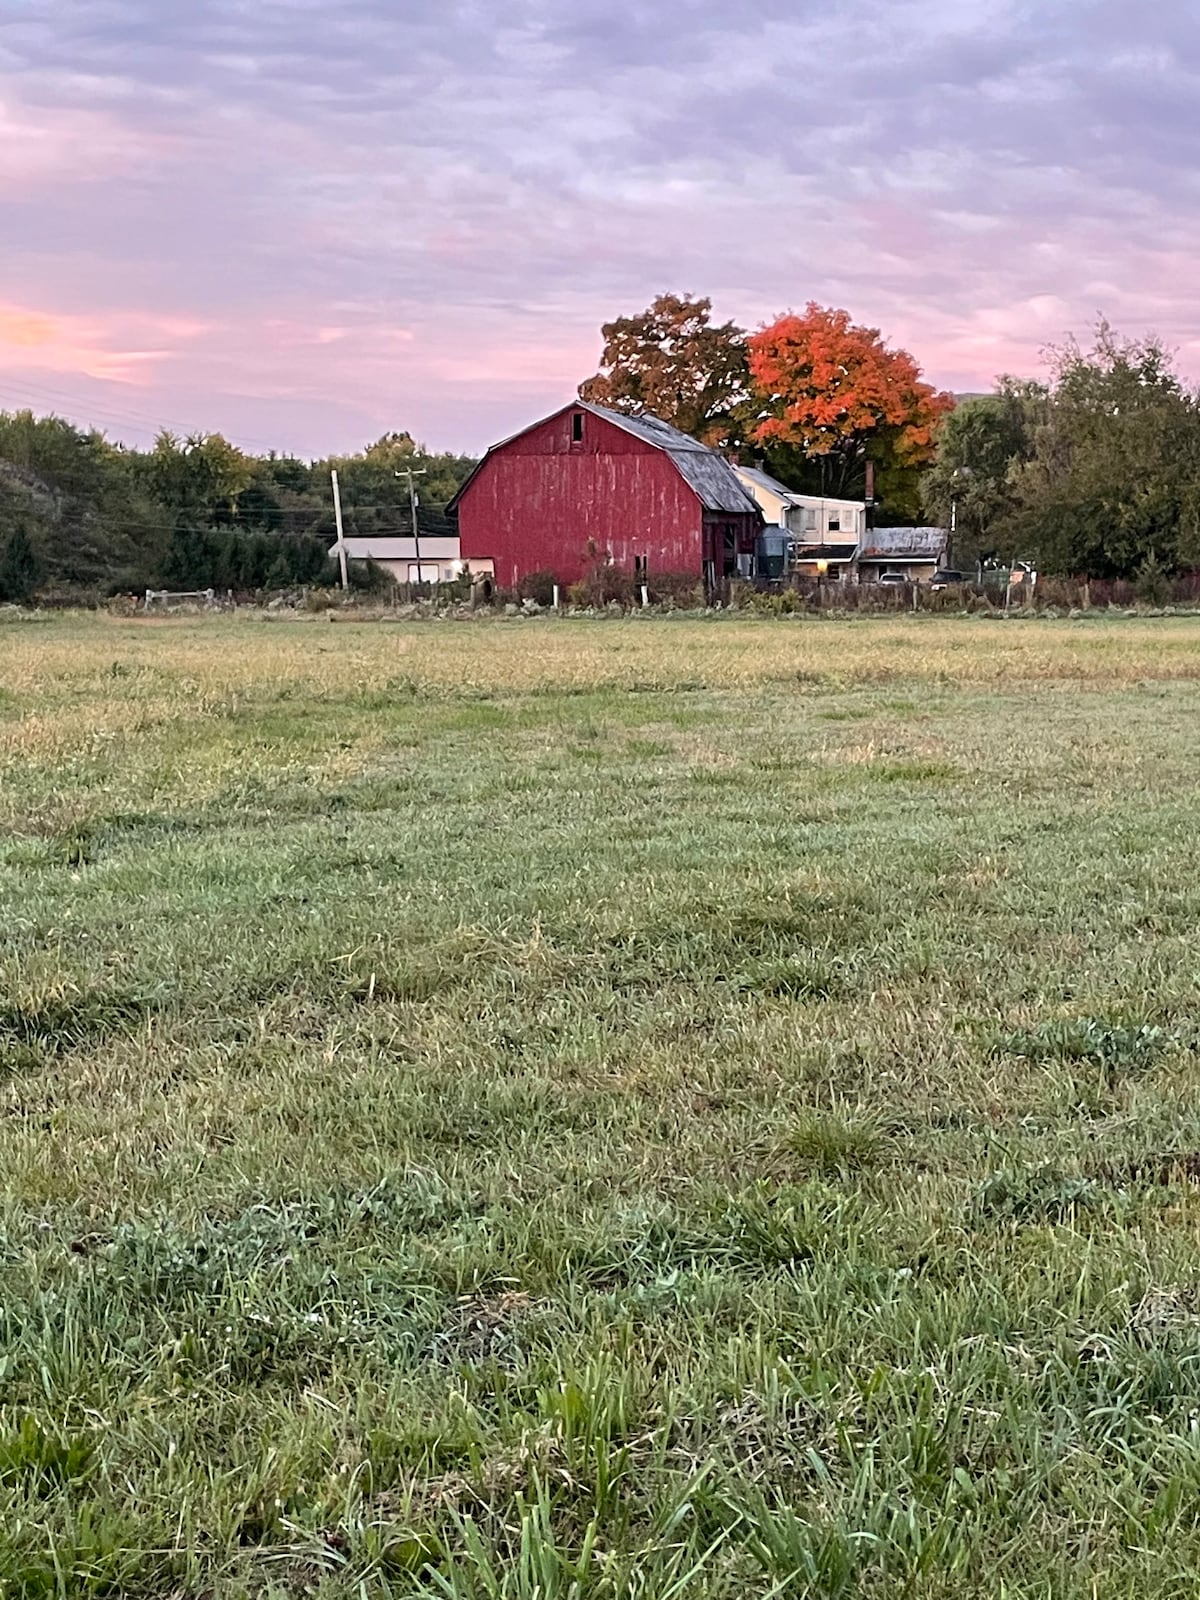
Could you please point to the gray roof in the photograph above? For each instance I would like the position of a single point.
(708, 473)
(898, 544)
(795, 497)
(764, 480)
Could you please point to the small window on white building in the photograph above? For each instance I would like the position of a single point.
(835, 522)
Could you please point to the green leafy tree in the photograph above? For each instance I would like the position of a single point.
(286, 472)
(981, 446)
(374, 487)
(1113, 476)
(1153, 581)
(279, 575)
(256, 508)
(202, 476)
(79, 496)
(310, 561)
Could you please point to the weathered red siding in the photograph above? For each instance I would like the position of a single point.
(546, 503)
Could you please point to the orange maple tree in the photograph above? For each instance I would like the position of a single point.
(834, 388)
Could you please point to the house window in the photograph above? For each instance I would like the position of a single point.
(577, 427)
(835, 522)
(810, 519)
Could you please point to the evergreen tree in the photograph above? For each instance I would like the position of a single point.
(20, 569)
(279, 573)
(190, 559)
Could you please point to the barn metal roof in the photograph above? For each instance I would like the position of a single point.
(898, 544)
(708, 473)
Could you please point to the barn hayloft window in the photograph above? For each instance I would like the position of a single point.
(577, 427)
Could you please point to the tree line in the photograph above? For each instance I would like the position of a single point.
(80, 514)
(1091, 471)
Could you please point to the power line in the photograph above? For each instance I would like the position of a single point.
(128, 522)
(285, 512)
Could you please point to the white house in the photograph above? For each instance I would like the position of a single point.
(814, 519)
(824, 533)
(440, 562)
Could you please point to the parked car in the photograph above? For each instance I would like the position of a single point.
(892, 577)
(946, 578)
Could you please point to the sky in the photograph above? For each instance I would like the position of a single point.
(305, 224)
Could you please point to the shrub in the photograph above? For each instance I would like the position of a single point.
(370, 578)
(682, 590)
(1061, 592)
(538, 586)
(775, 602)
(601, 586)
(64, 598)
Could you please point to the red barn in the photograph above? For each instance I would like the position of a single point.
(589, 487)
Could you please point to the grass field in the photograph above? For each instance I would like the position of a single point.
(599, 1110)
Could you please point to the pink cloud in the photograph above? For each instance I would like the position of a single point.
(121, 348)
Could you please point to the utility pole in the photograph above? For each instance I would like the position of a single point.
(341, 542)
(410, 473)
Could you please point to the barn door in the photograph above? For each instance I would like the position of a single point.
(729, 553)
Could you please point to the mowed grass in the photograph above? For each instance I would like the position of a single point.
(599, 1110)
